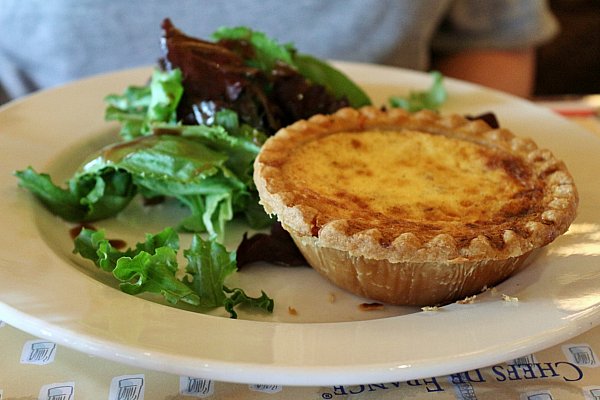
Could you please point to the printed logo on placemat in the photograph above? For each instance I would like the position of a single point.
(462, 386)
(528, 359)
(39, 352)
(591, 392)
(195, 387)
(581, 354)
(57, 391)
(127, 387)
(541, 395)
(266, 388)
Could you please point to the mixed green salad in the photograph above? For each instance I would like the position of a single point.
(192, 134)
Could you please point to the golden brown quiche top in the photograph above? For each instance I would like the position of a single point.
(414, 187)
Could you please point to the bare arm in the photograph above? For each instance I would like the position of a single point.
(511, 71)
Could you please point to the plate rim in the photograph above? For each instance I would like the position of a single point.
(81, 338)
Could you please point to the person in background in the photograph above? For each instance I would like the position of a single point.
(492, 42)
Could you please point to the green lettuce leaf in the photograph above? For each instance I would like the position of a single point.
(209, 264)
(203, 167)
(333, 79)
(87, 198)
(154, 273)
(268, 52)
(151, 266)
(140, 107)
(182, 167)
(238, 296)
(240, 150)
(168, 161)
(93, 245)
(229, 120)
(430, 99)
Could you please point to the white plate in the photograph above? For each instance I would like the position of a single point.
(48, 292)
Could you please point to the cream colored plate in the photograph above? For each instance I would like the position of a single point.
(48, 292)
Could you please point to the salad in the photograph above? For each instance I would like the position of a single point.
(192, 134)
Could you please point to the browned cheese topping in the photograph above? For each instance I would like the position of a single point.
(401, 179)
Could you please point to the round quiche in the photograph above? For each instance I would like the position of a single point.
(413, 208)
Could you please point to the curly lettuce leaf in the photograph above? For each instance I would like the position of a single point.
(149, 267)
(237, 296)
(140, 107)
(152, 267)
(93, 245)
(154, 273)
(430, 99)
(209, 264)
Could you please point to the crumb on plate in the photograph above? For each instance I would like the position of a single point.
(510, 299)
(467, 300)
(332, 298)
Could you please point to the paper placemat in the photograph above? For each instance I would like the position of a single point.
(34, 368)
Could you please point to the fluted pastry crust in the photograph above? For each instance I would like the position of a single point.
(380, 200)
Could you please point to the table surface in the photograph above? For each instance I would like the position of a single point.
(33, 368)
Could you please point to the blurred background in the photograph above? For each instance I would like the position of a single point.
(43, 44)
(570, 63)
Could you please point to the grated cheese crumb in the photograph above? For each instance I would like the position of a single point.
(430, 308)
(492, 290)
(510, 299)
(468, 300)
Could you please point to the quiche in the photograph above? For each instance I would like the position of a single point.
(415, 209)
